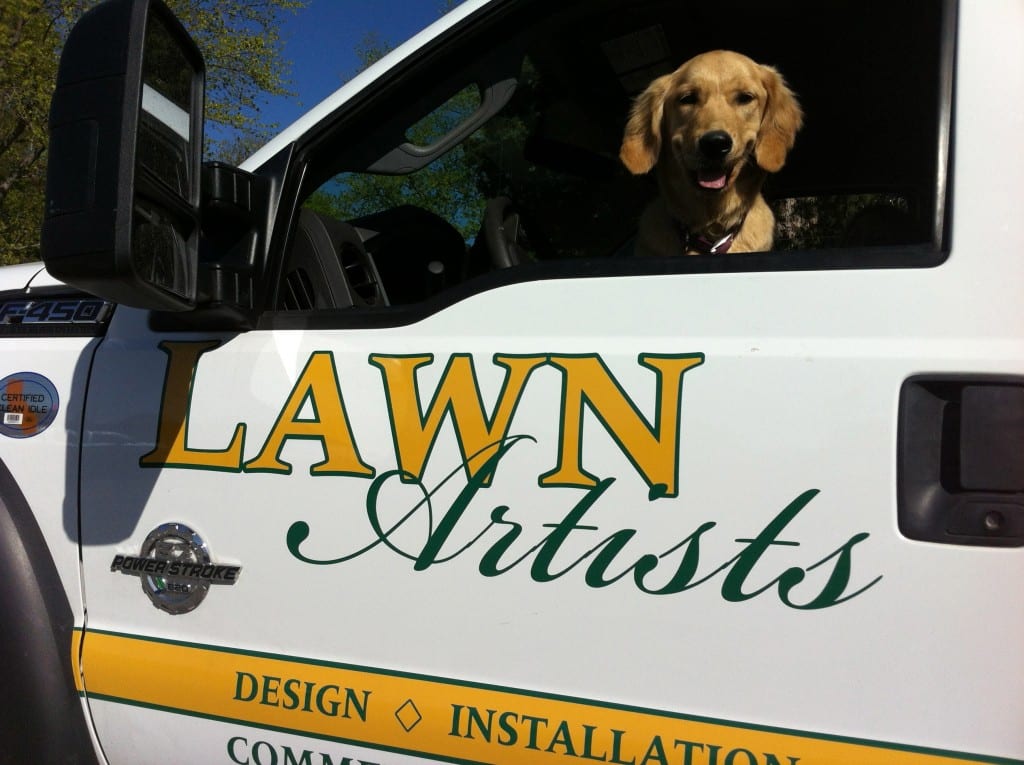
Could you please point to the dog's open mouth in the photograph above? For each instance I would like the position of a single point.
(712, 179)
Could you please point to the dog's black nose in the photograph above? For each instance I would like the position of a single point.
(715, 144)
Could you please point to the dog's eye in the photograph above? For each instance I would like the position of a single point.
(688, 99)
(745, 98)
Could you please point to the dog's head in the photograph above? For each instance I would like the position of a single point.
(711, 116)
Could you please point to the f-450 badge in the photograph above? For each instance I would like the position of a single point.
(175, 567)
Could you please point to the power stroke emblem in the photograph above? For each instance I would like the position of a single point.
(175, 567)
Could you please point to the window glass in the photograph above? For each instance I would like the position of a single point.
(845, 220)
(542, 167)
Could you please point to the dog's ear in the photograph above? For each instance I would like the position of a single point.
(782, 119)
(641, 143)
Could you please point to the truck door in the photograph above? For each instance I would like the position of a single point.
(480, 485)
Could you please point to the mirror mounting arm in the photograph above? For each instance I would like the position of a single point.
(233, 212)
(234, 217)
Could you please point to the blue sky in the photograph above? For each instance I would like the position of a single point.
(321, 40)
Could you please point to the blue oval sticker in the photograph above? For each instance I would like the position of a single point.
(28, 404)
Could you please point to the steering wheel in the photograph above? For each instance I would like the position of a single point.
(503, 233)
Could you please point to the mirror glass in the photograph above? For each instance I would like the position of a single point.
(165, 189)
(165, 128)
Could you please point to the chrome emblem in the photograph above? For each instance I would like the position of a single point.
(175, 567)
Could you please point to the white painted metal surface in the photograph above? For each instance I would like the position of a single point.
(790, 401)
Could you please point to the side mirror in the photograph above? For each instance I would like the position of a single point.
(126, 134)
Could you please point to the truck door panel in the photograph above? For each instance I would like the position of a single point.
(594, 506)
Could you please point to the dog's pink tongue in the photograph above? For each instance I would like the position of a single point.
(711, 180)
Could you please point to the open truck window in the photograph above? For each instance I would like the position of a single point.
(499, 156)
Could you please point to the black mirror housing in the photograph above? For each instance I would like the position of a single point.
(122, 214)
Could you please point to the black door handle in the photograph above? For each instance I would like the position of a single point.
(960, 460)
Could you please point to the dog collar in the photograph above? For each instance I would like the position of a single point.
(703, 245)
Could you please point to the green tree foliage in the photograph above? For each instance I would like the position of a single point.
(839, 220)
(28, 49)
(449, 186)
(240, 40)
(456, 186)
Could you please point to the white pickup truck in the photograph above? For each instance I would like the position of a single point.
(386, 448)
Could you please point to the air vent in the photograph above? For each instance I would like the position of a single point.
(360, 274)
(297, 292)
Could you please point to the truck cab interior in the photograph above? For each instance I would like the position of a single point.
(495, 157)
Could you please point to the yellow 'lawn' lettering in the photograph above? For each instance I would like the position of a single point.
(587, 383)
(318, 384)
(458, 394)
(653, 451)
(170, 449)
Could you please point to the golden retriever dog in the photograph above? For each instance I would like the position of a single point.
(711, 130)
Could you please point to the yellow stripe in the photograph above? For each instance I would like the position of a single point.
(76, 646)
(442, 718)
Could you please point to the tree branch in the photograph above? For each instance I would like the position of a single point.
(15, 133)
(20, 171)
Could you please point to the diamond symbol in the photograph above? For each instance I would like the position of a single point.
(408, 715)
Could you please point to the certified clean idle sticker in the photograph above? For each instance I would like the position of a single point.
(28, 402)
(175, 567)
